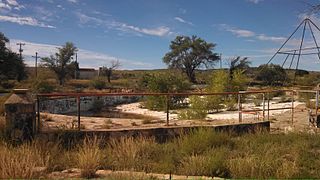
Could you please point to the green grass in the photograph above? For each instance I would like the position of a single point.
(202, 152)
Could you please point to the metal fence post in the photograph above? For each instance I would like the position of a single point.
(239, 107)
(38, 114)
(268, 116)
(317, 102)
(292, 104)
(167, 108)
(263, 105)
(78, 105)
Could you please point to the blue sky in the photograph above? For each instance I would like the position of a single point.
(138, 32)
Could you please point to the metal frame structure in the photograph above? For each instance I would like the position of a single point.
(306, 23)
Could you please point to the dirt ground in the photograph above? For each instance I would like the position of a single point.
(281, 120)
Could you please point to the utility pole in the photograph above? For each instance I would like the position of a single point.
(20, 49)
(36, 63)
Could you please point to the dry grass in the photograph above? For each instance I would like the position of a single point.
(130, 154)
(88, 157)
(21, 162)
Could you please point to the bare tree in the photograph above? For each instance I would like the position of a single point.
(107, 71)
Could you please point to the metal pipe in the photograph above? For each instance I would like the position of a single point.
(38, 114)
(299, 55)
(268, 116)
(78, 105)
(263, 105)
(286, 41)
(239, 108)
(167, 108)
(292, 107)
(155, 94)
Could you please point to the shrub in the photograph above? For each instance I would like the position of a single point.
(97, 105)
(41, 85)
(198, 109)
(163, 83)
(271, 75)
(218, 83)
(98, 83)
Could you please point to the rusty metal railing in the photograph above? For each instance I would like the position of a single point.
(169, 95)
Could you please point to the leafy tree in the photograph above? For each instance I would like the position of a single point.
(238, 63)
(190, 53)
(271, 74)
(61, 63)
(107, 71)
(11, 66)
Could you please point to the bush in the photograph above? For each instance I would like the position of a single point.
(163, 83)
(97, 105)
(98, 83)
(198, 109)
(42, 86)
(271, 75)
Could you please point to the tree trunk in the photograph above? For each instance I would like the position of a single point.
(191, 75)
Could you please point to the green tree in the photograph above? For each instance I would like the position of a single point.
(190, 53)
(271, 74)
(238, 63)
(61, 63)
(11, 66)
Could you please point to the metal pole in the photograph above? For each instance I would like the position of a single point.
(263, 106)
(38, 114)
(317, 103)
(299, 55)
(167, 108)
(268, 116)
(239, 108)
(286, 41)
(78, 105)
(292, 104)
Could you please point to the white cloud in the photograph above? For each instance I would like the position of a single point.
(278, 39)
(13, 2)
(10, 4)
(116, 25)
(24, 21)
(86, 58)
(5, 6)
(183, 21)
(255, 1)
(238, 32)
(73, 1)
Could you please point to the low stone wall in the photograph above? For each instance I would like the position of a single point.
(161, 134)
(69, 104)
